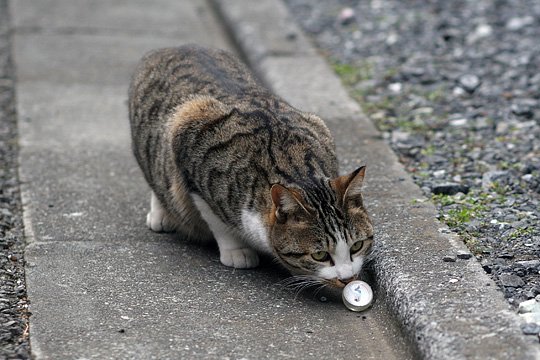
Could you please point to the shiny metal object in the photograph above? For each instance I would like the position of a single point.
(357, 295)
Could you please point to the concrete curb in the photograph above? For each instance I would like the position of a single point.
(450, 310)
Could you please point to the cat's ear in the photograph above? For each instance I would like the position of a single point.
(288, 204)
(348, 187)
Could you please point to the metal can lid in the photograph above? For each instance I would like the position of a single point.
(357, 295)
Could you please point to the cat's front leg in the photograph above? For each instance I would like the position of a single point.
(158, 219)
(235, 254)
(232, 249)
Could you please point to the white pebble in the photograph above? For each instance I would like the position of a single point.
(395, 87)
(458, 122)
(346, 15)
(527, 177)
(439, 173)
(457, 91)
(517, 23)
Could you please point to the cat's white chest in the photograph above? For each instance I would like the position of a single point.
(255, 231)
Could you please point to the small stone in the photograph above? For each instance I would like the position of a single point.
(525, 125)
(436, 159)
(482, 123)
(517, 23)
(535, 79)
(6, 213)
(480, 32)
(531, 317)
(449, 258)
(413, 71)
(520, 273)
(453, 281)
(522, 109)
(510, 201)
(424, 110)
(464, 255)
(449, 189)
(439, 173)
(511, 280)
(529, 264)
(405, 141)
(392, 38)
(502, 128)
(530, 329)
(395, 87)
(458, 122)
(529, 306)
(346, 16)
(469, 82)
(473, 226)
(458, 91)
(527, 178)
(490, 177)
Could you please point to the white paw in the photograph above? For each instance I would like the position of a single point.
(243, 258)
(157, 221)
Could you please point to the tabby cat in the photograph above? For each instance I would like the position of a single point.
(228, 160)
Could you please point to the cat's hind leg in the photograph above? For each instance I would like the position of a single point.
(158, 219)
(232, 249)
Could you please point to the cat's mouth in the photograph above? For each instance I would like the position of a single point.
(338, 283)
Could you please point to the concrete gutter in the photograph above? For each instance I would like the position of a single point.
(450, 310)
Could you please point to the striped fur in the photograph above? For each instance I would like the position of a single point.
(227, 159)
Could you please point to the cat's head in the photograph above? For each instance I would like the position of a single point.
(322, 230)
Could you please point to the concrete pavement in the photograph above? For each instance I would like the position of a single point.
(100, 284)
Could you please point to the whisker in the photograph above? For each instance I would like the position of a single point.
(319, 288)
(299, 283)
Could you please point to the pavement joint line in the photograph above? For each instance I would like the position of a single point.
(89, 31)
(492, 332)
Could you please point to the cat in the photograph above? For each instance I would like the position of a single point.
(228, 160)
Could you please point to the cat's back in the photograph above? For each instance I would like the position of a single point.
(164, 78)
(230, 137)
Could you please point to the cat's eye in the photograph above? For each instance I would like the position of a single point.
(357, 246)
(321, 256)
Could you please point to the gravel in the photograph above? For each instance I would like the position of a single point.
(13, 302)
(530, 328)
(455, 89)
